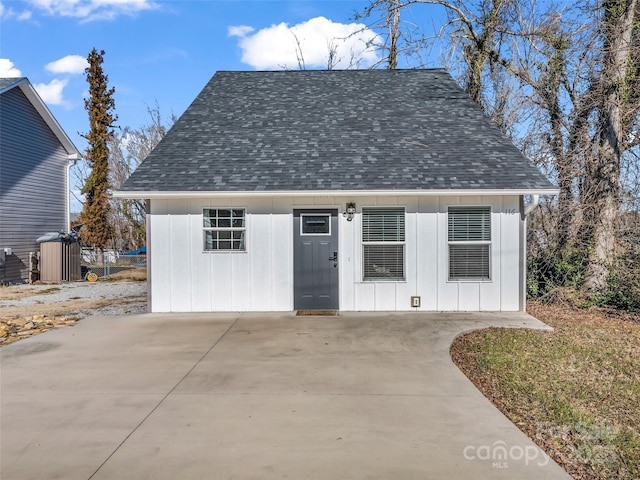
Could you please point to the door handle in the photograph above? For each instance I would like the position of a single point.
(334, 258)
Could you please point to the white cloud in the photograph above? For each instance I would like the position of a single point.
(240, 30)
(281, 46)
(89, 10)
(8, 70)
(26, 15)
(51, 93)
(70, 64)
(7, 13)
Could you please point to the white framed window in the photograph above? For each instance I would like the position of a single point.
(469, 238)
(383, 243)
(224, 229)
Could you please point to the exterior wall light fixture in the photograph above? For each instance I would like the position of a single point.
(350, 211)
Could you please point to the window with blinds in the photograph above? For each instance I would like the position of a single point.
(383, 243)
(469, 236)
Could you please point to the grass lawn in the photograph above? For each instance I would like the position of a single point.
(575, 391)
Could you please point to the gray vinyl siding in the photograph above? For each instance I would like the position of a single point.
(33, 187)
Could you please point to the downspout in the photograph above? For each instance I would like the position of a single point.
(535, 201)
(147, 221)
(72, 157)
(67, 203)
(526, 211)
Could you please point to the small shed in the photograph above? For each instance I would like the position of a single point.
(60, 261)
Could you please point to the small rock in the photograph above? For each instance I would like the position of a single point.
(38, 318)
(26, 333)
(29, 326)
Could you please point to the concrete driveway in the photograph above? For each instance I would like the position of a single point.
(256, 396)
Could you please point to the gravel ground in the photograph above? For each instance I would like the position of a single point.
(133, 292)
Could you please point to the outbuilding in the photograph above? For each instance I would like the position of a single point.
(354, 190)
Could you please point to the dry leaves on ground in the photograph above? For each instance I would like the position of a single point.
(575, 391)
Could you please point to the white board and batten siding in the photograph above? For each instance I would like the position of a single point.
(185, 278)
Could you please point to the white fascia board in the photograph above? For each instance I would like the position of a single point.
(31, 93)
(151, 195)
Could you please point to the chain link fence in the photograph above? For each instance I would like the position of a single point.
(108, 263)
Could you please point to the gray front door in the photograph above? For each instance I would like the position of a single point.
(315, 259)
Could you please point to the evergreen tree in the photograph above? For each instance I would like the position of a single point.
(95, 215)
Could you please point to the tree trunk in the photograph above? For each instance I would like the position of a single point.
(604, 184)
(549, 90)
(393, 20)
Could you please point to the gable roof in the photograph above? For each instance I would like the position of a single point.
(27, 89)
(357, 131)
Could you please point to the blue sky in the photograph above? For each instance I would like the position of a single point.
(166, 51)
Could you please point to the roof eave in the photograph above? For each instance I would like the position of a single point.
(159, 195)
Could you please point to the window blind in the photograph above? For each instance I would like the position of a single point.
(384, 262)
(383, 243)
(383, 224)
(469, 224)
(469, 262)
(469, 235)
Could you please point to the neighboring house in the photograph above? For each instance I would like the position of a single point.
(349, 190)
(34, 159)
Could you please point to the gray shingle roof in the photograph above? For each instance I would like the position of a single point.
(7, 82)
(350, 130)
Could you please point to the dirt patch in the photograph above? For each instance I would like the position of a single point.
(69, 307)
(138, 274)
(18, 292)
(29, 310)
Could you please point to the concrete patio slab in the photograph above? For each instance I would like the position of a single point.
(201, 396)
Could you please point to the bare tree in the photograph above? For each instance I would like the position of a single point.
(400, 39)
(617, 85)
(333, 59)
(299, 52)
(393, 20)
(563, 83)
(128, 149)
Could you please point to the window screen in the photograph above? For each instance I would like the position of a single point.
(383, 236)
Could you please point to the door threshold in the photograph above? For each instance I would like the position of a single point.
(318, 313)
